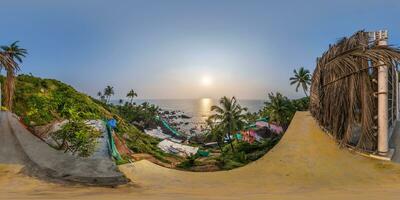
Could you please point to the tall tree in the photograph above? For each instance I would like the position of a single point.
(131, 94)
(99, 94)
(13, 57)
(301, 78)
(108, 92)
(229, 115)
(279, 109)
(3, 62)
(216, 132)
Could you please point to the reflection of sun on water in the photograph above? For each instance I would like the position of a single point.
(205, 107)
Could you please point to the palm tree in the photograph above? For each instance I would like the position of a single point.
(215, 132)
(279, 109)
(3, 62)
(131, 94)
(230, 116)
(301, 78)
(13, 54)
(108, 92)
(99, 94)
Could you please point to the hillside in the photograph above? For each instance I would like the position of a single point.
(40, 101)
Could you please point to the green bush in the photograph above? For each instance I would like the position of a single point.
(41, 101)
(77, 137)
(244, 152)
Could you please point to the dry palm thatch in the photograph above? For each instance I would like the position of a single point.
(344, 86)
(4, 60)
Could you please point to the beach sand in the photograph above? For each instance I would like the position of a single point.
(305, 164)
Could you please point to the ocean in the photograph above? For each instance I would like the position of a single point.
(198, 109)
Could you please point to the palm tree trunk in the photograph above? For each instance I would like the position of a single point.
(230, 141)
(9, 89)
(305, 92)
(219, 144)
(131, 100)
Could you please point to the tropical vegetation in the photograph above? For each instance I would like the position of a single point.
(77, 137)
(302, 78)
(142, 115)
(131, 94)
(280, 110)
(108, 92)
(230, 116)
(39, 102)
(10, 59)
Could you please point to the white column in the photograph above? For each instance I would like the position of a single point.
(396, 85)
(383, 129)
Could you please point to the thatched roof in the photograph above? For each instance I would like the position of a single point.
(343, 89)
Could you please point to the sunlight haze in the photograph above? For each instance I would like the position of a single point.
(163, 50)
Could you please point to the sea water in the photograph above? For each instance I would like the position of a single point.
(197, 109)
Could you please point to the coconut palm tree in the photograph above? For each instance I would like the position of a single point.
(3, 62)
(301, 78)
(131, 94)
(99, 94)
(229, 115)
(215, 132)
(108, 92)
(14, 54)
(279, 109)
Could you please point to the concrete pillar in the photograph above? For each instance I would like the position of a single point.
(383, 129)
(397, 95)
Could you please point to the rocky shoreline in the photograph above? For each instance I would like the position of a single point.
(183, 122)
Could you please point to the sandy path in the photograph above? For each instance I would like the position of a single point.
(306, 164)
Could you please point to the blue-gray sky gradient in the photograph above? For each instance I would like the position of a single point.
(162, 49)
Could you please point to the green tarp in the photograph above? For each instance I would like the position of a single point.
(166, 125)
(111, 145)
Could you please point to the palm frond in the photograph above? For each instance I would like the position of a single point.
(342, 88)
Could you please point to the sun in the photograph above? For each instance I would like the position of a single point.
(206, 80)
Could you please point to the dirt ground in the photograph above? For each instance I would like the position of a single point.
(306, 164)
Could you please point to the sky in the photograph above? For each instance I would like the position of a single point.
(185, 49)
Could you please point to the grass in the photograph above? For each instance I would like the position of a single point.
(42, 101)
